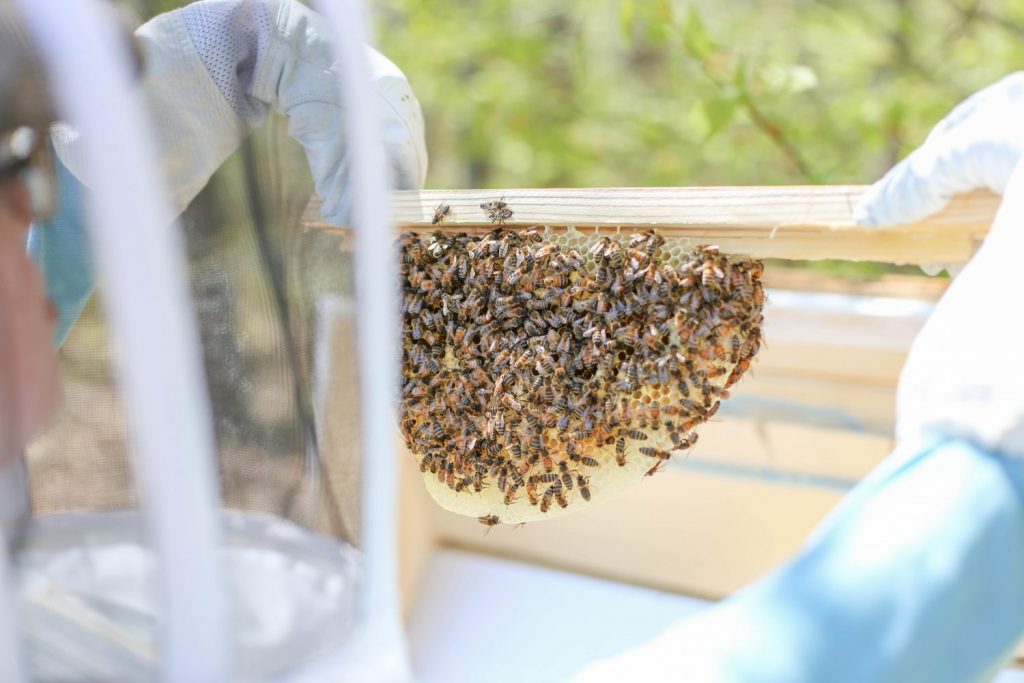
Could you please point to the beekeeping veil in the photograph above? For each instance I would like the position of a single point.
(122, 499)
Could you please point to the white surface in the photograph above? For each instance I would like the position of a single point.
(88, 597)
(479, 619)
(147, 304)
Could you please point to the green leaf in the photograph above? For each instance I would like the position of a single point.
(695, 36)
(712, 115)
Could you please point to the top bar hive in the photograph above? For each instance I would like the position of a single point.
(784, 222)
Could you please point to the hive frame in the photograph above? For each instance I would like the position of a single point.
(784, 222)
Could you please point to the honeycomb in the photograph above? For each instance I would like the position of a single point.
(544, 371)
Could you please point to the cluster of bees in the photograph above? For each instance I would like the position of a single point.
(525, 355)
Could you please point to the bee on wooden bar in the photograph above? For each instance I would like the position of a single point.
(497, 212)
(441, 212)
(495, 205)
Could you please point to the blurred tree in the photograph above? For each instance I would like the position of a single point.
(662, 92)
(685, 92)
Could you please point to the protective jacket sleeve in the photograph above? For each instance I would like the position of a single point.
(918, 575)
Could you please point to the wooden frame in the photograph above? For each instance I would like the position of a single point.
(796, 222)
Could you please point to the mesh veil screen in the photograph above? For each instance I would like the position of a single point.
(273, 303)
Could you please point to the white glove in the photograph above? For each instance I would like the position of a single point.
(976, 146)
(963, 376)
(212, 69)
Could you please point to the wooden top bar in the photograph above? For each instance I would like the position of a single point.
(787, 222)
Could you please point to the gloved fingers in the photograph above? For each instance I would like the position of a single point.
(1008, 89)
(912, 189)
(960, 161)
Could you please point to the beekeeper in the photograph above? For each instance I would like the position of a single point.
(29, 391)
(918, 575)
(211, 72)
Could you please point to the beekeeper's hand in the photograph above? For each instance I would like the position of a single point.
(212, 70)
(963, 375)
(975, 147)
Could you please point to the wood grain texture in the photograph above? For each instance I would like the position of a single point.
(787, 222)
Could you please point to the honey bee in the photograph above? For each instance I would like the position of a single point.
(681, 443)
(636, 435)
(654, 242)
(584, 486)
(494, 205)
(511, 403)
(440, 212)
(497, 211)
(758, 295)
(589, 461)
(531, 492)
(510, 495)
(517, 477)
(654, 452)
(489, 520)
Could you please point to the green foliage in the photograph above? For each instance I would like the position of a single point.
(654, 92)
(603, 93)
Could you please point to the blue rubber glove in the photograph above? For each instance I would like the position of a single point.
(60, 248)
(918, 575)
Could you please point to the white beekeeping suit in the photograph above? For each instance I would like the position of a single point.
(214, 68)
